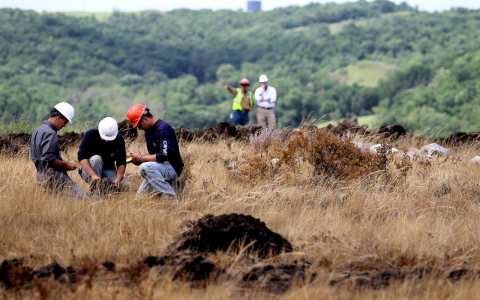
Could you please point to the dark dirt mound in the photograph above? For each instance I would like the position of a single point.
(384, 278)
(349, 125)
(125, 128)
(273, 279)
(188, 267)
(220, 131)
(20, 139)
(197, 271)
(219, 233)
(460, 138)
(7, 147)
(392, 131)
(13, 273)
(69, 139)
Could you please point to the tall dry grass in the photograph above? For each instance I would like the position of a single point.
(426, 216)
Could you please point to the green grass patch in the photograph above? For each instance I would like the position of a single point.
(365, 73)
(337, 27)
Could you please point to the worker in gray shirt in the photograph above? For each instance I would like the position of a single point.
(45, 154)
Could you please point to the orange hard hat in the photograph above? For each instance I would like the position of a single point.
(135, 113)
(244, 81)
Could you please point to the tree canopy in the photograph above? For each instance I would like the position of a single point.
(177, 63)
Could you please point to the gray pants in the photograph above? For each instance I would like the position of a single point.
(56, 182)
(107, 185)
(157, 176)
(265, 116)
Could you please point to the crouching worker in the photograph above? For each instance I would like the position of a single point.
(101, 150)
(45, 154)
(163, 164)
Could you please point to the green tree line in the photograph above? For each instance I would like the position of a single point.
(177, 62)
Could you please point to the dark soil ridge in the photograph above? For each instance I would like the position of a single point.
(197, 271)
(224, 131)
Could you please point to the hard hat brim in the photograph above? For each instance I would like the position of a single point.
(107, 138)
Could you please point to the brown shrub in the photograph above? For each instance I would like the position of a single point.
(329, 154)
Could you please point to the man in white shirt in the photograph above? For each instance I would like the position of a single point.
(266, 96)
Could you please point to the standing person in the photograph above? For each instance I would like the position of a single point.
(163, 163)
(45, 154)
(242, 103)
(266, 96)
(102, 149)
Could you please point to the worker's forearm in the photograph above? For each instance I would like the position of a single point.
(232, 90)
(85, 163)
(120, 171)
(59, 163)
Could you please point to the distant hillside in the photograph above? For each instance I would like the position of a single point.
(326, 60)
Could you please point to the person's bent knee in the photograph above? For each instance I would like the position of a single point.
(96, 160)
(146, 168)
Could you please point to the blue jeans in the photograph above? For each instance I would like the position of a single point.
(107, 185)
(59, 182)
(239, 117)
(156, 175)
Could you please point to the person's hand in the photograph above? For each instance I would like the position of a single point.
(117, 182)
(136, 158)
(226, 86)
(70, 165)
(96, 179)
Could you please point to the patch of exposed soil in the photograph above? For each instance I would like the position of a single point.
(231, 231)
(125, 128)
(197, 271)
(273, 279)
(186, 266)
(7, 147)
(220, 131)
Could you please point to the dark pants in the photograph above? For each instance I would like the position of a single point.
(239, 117)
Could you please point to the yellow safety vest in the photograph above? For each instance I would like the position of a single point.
(237, 101)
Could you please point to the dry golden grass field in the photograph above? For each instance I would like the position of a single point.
(360, 227)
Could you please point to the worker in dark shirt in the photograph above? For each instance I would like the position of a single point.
(45, 154)
(102, 149)
(163, 163)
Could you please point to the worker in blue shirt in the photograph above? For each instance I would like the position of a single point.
(102, 158)
(163, 164)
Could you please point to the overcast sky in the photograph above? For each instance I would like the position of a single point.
(166, 5)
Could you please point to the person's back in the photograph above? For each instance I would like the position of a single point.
(162, 139)
(102, 157)
(110, 152)
(44, 148)
(45, 154)
(163, 164)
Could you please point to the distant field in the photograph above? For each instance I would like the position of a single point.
(366, 73)
(337, 27)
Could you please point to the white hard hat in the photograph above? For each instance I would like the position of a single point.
(263, 78)
(108, 129)
(66, 110)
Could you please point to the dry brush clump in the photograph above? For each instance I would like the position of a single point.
(330, 155)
